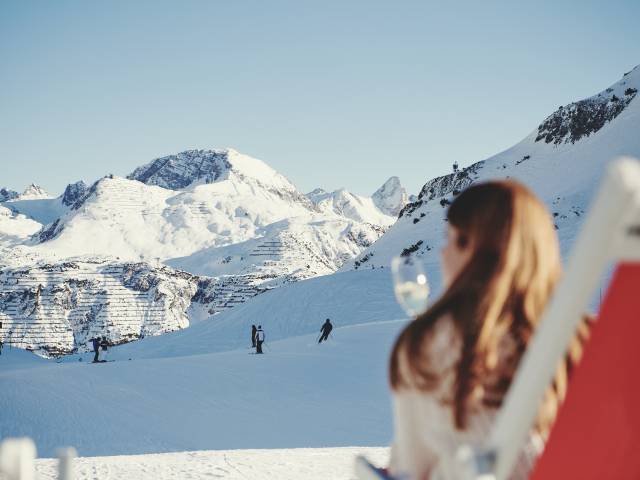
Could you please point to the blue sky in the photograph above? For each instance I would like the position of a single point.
(332, 93)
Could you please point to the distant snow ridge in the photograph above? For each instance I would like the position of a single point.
(391, 197)
(56, 309)
(351, 206)
(34, 191)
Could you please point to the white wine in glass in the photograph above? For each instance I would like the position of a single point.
(410, 284)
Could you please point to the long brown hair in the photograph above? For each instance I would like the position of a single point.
(497, 299)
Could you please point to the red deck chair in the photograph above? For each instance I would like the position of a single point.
(597, 432)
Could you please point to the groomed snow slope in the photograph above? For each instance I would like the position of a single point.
(286, 464)
(300, 308)
(15, 228)
(299, 394)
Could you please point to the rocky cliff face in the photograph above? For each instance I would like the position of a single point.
(73, 193)
(176, 172)
(55, 309)
(6, 194)
(444, 186)
(584, 118)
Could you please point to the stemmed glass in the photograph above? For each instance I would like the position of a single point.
(410, 284)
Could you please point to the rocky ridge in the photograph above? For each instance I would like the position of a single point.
(55, 309)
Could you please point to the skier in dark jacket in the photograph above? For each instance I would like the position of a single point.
(259, 339)
(104, 344)
(253, 336)
(96, 349)
(326, 330)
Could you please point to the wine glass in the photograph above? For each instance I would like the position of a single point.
(410, 284)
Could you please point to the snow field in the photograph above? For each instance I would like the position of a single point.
(299, 394)
(281, 464)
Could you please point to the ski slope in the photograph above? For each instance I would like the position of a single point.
(281, 464)
(299, 394)
(300, 308)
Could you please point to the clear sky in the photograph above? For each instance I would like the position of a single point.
(329, 93)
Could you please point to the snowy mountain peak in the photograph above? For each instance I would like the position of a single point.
(391, 197)
(73, 193)
(34, 191)
(193, 167)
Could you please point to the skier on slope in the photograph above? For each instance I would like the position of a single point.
(253, 336)
(96, 349)
(259, 339)
(325, 330)
(104, 344)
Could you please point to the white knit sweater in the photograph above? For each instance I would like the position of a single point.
(425, 437)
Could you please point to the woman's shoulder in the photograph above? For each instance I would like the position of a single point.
(442, 346)
(443, 339)
(439, 351)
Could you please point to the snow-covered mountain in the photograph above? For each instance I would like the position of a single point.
(197, 167)
(391, 197)
(562, 160)
(349, 205)
(33, 192)
(179, 205)
(230, 219)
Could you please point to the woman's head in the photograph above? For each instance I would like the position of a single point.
(504, 226)
(499, 267)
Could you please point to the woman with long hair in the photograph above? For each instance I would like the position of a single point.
(451, 367)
